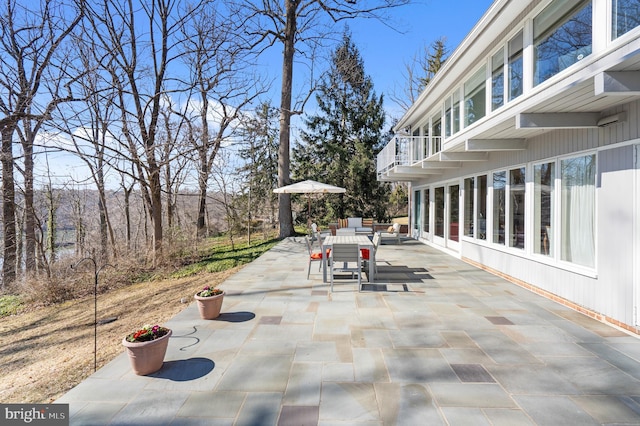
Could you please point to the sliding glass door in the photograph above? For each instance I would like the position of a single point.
(446, 213)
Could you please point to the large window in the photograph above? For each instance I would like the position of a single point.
(454, 212)
(475, 104)
(439, 211)
(416, 143)
(425, 211)
(468, 206)
(561, 36)
(456, 112)
(497, 80)
(482, 208)
(452, 114)
(543, 208)
(577, 210)
(436, 137)
(425, 141)
(516, 71)
(447, 117)
(499, 206)
(516, 207)
(417, 204)
(625, 16)
(563, 209)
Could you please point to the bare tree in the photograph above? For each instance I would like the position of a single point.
(142, 43)
(298, 26)
(29, 39)
(87, 124)
(219, 59)
(173, 139)
(228, 186)
(419, 71)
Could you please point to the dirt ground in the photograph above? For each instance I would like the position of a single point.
(45, 352)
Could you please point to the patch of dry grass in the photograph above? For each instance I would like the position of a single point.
(46, 351)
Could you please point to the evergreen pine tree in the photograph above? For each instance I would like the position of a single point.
(260, 152)
(341, 141)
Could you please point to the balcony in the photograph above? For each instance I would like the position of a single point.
(405, 151)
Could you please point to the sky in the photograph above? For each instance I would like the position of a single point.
(384, 46)
(386, 51)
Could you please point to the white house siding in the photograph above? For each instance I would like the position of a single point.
(610, 291)
(614, 287)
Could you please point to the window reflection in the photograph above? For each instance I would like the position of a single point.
(454, 212)
(439, 211)
(543, 186)
(515, 67)
(497, 80)
(562, 37)
(517, 207)
(625, 16)
(468, 206)
(499, 210)
(425, 211)
(482, 208)
(475, 97)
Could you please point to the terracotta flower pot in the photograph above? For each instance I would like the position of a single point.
(147, 357)
(209, 307)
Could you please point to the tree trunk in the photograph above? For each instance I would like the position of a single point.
(202, 203)
(106, 230)
(51, 225)
(8, 207)
(284, 200)
(156, 210)
(29, 212)
(127, 213)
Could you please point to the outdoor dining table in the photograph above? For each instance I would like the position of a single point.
(362, 240)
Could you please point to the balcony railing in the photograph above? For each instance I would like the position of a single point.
(406, 151)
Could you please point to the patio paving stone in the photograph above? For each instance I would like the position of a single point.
(443, 344)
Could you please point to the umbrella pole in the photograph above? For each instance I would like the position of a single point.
(309, 213)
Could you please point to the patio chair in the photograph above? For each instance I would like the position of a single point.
(393, 233)
(367, 256)
(315, 256)
(317, 235)
(346, 231)
(345, 254)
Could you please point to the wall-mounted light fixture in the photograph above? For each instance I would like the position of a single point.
(612, 119)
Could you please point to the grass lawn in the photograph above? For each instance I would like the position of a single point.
(48, 350)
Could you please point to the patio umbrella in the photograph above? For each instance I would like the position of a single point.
(309, 187)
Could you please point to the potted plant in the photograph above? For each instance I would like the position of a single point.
(146, 348)
(209, 301)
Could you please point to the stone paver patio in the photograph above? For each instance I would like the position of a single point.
(442, 343)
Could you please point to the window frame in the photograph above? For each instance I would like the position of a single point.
(555, 257)
(546, 235)
(497, 74)
(515, 57)
(613, 34)
(474, 90)
(552, 27)
(558, 238)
